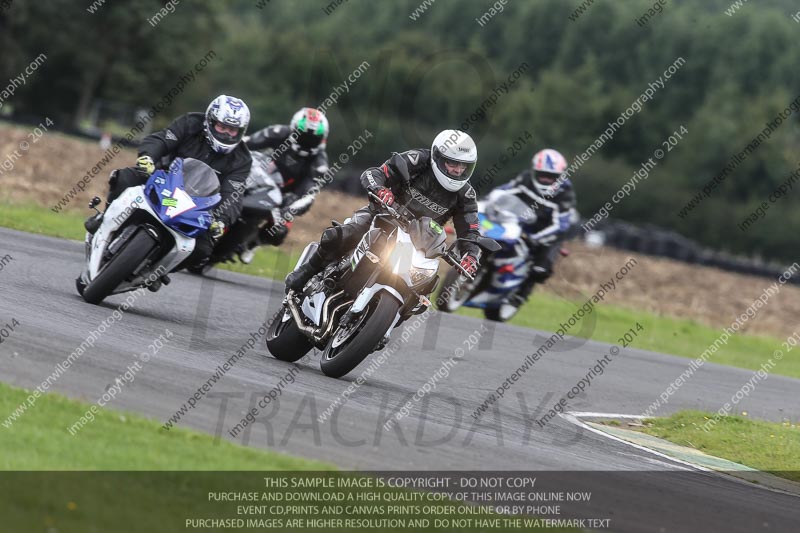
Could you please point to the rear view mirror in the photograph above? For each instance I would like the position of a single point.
(490, 245)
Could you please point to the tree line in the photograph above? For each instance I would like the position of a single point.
(530, 68)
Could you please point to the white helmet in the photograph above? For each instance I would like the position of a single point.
(455, 148)
(228, 111)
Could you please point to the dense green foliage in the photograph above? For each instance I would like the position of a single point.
(424, 75)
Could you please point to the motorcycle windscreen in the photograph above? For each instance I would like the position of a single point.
(184, 195)
(427, 236)
(263, 173)
(509, 209)
(199, 179)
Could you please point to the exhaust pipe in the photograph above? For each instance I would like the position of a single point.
(292, 303)
(311, 331)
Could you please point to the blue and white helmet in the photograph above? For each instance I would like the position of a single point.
(226, 111)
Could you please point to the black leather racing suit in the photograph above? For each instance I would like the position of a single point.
(424, 197)
(298, 171)
(185, 137)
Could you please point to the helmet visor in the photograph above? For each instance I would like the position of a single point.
(225, 133)
(545, 178)
(452, 168)
(308, 140)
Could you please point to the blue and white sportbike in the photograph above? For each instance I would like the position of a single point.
(500, 274)
(149, 230)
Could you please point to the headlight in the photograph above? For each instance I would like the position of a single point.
(418, 275)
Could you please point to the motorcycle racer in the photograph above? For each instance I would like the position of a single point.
(215, 138)
(553, 202)
(298, 152)
(432, 183)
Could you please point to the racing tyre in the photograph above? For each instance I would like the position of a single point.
(350, 345)
(119, 268)
(284, 339)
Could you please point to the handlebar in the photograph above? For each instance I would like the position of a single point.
(389, 209)
(448, 256)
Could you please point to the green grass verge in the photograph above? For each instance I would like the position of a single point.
(767, 446)
(39, 440)
(662, 334)
(125, 473)
(674, 336)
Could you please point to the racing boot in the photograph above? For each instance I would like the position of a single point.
(92, 224)
(298, 277)
(247, 256)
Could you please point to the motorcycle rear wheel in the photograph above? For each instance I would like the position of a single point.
(347, 348)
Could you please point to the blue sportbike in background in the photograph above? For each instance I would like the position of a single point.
(149, 230)
(500, 273)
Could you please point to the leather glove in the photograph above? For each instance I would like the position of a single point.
(386, 196)
(145, 164)
(216, 230)
(469, 263)
(279, 232)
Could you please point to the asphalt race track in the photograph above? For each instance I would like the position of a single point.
(212, 318)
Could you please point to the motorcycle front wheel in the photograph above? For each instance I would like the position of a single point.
(349, 345)
(119, 267)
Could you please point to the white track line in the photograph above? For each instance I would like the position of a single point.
(572, 417)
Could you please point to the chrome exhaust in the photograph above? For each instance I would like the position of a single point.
(298, 319)
(329, 325)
